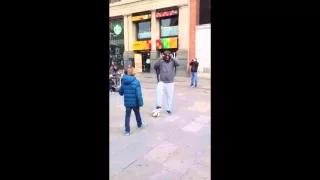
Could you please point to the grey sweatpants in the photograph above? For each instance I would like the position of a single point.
(169, 89)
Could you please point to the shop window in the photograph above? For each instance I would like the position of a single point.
(116, 42)
(205, 12)
(169, 27)
(144, 30)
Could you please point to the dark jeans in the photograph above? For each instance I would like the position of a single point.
(128, 114)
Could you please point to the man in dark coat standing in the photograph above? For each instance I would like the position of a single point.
(194, 72)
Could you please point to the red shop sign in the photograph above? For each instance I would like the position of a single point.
(166, 13)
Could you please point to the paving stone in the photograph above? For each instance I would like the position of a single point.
(144, 167)
(197, 172)
(165, 140)
(180, 160)
(125, 175)
(203, 119)
(161, 152)
(192, 127)
(172, 118)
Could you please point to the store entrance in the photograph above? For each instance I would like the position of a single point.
(145, 56)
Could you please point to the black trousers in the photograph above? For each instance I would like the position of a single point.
(128, 114)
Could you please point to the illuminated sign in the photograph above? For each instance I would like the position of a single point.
(141, 45)
(141, 18)
(166, 13)
(167, 43)
(117, 29)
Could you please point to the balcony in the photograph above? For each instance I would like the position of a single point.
(113, 1)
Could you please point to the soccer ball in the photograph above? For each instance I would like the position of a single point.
(155, 113)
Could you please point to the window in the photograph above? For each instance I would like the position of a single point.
(169, 27)
(144, 30)
(113, 1)
(116, 42)
(205, 12)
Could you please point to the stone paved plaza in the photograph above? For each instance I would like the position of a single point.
(170, 147)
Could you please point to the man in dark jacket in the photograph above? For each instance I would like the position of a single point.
(166, 66)
(133, 100)
(194, 72)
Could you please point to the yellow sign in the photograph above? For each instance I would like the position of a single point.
(141, 17)
(138, 62)
(141, 45)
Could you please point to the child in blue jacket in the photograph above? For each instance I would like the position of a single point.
(131, 90)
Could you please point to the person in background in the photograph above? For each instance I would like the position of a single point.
(111, 84)
(148, 63)
(194, 72)
(166, 66)
(133, 100)
(111, 70)
(115, 72)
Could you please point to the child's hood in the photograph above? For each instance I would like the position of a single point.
(127, 80)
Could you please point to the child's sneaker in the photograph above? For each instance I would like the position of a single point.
(126, 133)
(142, 125)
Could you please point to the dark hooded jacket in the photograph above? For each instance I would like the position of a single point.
(131, 90)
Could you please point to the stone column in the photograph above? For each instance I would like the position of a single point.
(154, 54)
(183, 51)
(128, 39)
(125, 32)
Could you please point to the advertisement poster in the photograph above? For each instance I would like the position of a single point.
(138, 62)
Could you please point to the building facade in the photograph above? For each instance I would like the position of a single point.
(142, 29)
(200, 35)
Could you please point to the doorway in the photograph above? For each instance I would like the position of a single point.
(146, 64)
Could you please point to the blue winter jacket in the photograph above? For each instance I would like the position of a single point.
(131, 89)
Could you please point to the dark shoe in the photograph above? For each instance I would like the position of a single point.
(169, 112)
(158, 108)
(142, 125)
(191, 85)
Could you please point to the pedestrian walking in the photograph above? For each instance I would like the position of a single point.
(194, 72)
(133, 100)
(166, 65)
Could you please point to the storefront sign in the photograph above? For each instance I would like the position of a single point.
(166, 13)
(167, 43)
(141, 45)
(138, 62)
(141, 18)
(117, 29)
